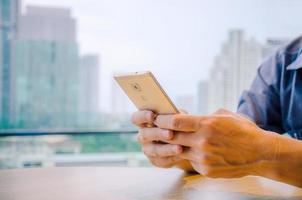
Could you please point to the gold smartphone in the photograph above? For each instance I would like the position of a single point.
(145, 92)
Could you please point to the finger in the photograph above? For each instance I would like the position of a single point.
(178, 122)
(143, 117)
(223, 171)
(164, 161)
(191, 155)
(147, 135)
(185, 139)
(201, 157)
(161, 150)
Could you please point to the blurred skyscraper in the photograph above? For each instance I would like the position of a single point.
(89, 84)
(120, 103)
(47, 69)
(89, 90)
(9, 17)
(202, 92)
(185, 102)
(272, 44)
(234, 69)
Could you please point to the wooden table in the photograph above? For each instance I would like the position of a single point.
(109, 183)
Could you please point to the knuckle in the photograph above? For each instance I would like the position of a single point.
(176, 122)
(141, 117)
(148, 116)
(208, 122)
(204, 145)
(211, 124)
(163, 135)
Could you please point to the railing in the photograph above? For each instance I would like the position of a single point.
(21, 148)
(12, 132)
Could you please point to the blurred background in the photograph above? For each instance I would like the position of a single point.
(59, 105)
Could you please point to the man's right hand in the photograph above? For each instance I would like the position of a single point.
(153, 143)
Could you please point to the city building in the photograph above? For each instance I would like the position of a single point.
(186, 103)
(272, 44)
(202, 92)
(48, 24)
(89, 91)
(89, 98)
(121, 108)
(120, 103)
(233, 70)
(47, 69)
(9, 18)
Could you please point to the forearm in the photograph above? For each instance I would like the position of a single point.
(283, 160)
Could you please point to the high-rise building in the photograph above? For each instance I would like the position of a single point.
(48, 24)
(9, 16)
(47, 69)
(89, 91)
(234, 69)
(89, 88)
(120, 103)
(202, 93)
(272, 44)
(185, 102)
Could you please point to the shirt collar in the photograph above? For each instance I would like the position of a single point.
(297, 64)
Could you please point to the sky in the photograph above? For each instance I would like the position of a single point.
(175, 39)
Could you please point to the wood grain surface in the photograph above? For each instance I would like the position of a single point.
(109, 183)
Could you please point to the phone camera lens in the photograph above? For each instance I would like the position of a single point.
(136, 87)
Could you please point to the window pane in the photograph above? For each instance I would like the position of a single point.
(58, 57)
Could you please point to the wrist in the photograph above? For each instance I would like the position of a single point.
(268, 148)
(281, 159)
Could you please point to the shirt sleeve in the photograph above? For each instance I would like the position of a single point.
(261, 103)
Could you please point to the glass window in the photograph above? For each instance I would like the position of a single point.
(57, 59)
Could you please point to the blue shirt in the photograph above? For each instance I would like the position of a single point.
(274, 101)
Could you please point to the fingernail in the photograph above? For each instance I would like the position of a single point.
(167, 134)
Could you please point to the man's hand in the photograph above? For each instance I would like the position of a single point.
(152, 140)
(220, 145)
